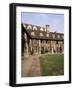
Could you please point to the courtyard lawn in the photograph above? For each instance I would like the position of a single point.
(52, 65)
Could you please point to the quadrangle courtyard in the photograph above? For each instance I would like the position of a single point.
(42, 65)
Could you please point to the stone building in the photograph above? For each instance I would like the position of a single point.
(40, 40)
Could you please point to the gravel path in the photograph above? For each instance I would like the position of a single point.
(30, 66)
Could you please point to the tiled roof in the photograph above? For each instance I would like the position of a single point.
(41, 34)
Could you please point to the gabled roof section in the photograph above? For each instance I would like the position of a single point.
(37, 32)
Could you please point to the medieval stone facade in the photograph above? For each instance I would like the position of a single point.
(39, 40)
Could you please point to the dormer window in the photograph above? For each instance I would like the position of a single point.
(34, 28)
(47, 35)
(58, 36)
(53, 35)
(41, 34)
(32, 33)
(45, 29)
(29, 27)
(41, 29)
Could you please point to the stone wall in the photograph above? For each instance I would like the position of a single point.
(33, 46)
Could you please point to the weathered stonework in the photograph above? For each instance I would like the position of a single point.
(36, 44)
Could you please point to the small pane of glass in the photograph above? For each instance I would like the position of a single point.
(32, 33)
(41, 34)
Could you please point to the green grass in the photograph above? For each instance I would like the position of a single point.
(52, 65)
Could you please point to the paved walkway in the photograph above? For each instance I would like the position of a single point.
(30, 66)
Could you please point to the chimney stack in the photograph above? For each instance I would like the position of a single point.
(47, 28)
